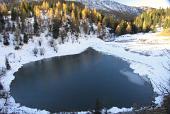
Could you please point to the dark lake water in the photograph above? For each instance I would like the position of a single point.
(77, 82)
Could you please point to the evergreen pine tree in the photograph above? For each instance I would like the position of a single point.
(112, 24)
(2, 22)
(121, 28)
(14, 14)
(17, 37)
(134, 29)
(25, 38)
(13, 27)
(36, 27)
(1, 27)
(23, 26)
(55, 28)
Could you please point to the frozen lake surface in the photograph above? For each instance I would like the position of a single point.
(77, 82)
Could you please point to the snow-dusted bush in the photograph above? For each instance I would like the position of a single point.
(51, 42)
(62, 34)
(17, 47)
(42, 51)
(2, 71)
(21, 41)
(40, 42)
(48, 34)
(8, 67)
(56, 48)
(35, 51)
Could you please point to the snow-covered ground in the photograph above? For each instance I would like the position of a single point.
(146, 53)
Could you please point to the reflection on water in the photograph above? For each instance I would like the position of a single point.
(74, 83)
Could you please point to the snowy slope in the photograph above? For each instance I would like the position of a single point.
(111, 5)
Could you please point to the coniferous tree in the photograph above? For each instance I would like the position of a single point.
(118, 30)
(151, 19)
(6, 39)
(144, 27)
(73, 22)
(2, 22)
(59, 5)
(134, 29)
(37, 12)
(24, 9)
(93, 16)
(8, 26)
(139, 23)
(99, 28)
(25, 38)
(166, 23)
(85, 27)
(112, 24)
(62, 34)
(129, 28)
(65, 8)
(121, 28)
(23, 27)
(1, 27)
(13, 27)
(77, 29)
(36, 27)
(14, 14)
(106, 22)
(4, 9)
(84, 13)
(17, 37)
(55, 28)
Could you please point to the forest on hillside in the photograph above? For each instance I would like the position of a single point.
(62, 18)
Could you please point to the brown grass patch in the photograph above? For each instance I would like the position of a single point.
(165, 33)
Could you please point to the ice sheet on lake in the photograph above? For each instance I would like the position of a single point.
(132, 77)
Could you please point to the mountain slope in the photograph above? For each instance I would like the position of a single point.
(119, 10)
(110, 6)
